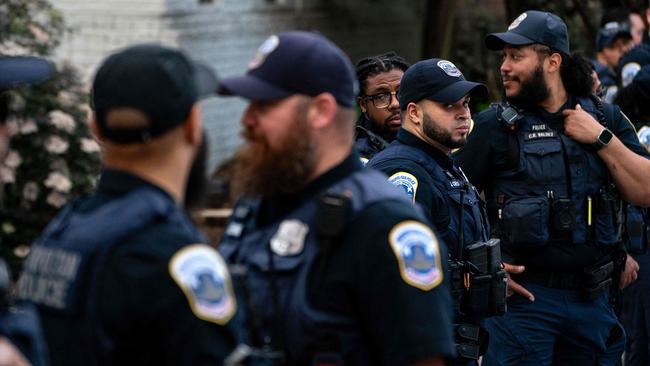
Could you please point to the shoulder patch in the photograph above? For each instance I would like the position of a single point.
(644, 136)
(203, 276)
(406, 181)
(628, 72)
(418, 254)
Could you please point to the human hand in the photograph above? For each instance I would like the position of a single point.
(629, 274)
(513, 286)
(581, 126)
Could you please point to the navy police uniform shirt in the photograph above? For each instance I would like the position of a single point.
(420, 185)
(491, 148)
(364, 279)
(147, 311)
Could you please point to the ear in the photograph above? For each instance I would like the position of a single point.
(322, 110)
(362, 104)
(413, 114)
(554, 61)
(193, 125)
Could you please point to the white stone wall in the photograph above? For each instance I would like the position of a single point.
(226, 33)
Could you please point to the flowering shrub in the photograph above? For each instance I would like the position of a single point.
(52, 157)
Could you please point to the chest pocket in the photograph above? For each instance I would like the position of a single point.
(543, 160)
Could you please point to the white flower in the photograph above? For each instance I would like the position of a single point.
(62, 121)
(39, 34)
(28, 127)
(66, 98)
(58, 182)
(30, 191)
(56, 145)
(7, 175)
(89, 145)
(13, 160)
(56, 199)
(12, 125)
(11, 48)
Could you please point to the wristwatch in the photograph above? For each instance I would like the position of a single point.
(604, 138)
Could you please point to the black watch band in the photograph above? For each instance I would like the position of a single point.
(604, 138)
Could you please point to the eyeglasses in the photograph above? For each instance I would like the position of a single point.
(382, 100)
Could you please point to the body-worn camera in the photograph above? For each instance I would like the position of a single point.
(564, 214)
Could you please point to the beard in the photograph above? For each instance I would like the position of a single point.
(262, 170)
(197, 180)
(532, 91)
(434, 132)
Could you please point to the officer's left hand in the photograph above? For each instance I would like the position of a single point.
(581, 126)
(629, 274)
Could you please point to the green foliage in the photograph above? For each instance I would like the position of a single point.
(52, 158)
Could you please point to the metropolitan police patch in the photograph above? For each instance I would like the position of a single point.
(203, 276)
(628, 73)
(515, 23)
(407, 181)
(269, 45)
(449, 68)
(418, 254)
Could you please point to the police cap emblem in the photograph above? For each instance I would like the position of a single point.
(408, 182)
(515, 23)
(418, 254)
(449, 68)
(203, 277)
(263, 51)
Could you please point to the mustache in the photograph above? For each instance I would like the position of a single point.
(505, 77)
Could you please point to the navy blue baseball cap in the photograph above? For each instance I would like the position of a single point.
(533, 27)
(438, 80)
(158, 81)
(16, 70)
(296, 62)
(610, 32)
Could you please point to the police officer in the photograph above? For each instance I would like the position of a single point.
(545, 158)
(631, 64)
(379, 79)
(340, 265)
(119, 277)
(434, 98)
(612, 41)
(21, 338)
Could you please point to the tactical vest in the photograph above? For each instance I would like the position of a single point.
(368, 143)
(279, 258)
(59, 274)
(558, 191)
(450, 184)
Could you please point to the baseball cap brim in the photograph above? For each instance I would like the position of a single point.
(252, 88)
(23, 70)
(496, 41)
(454, 92)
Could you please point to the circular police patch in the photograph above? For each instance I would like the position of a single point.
(418, 254)
(264, 50)
(628, 73)
(203, 277)
(408, 182)
(515, 23)
(449, 68)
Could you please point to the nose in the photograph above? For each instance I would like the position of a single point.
(505, 66)
(394, 103)
(249, 118)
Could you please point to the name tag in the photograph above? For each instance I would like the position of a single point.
(539, 135)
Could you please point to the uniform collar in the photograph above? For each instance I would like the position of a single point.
(119, 182)
(442, 159)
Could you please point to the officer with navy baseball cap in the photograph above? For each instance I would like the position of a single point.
(612, 42)
(530, 155)
(302, 226)
(434, 100)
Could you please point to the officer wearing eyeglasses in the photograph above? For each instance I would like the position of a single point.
(379, 79)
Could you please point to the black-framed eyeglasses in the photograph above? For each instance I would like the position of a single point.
(383, 99)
